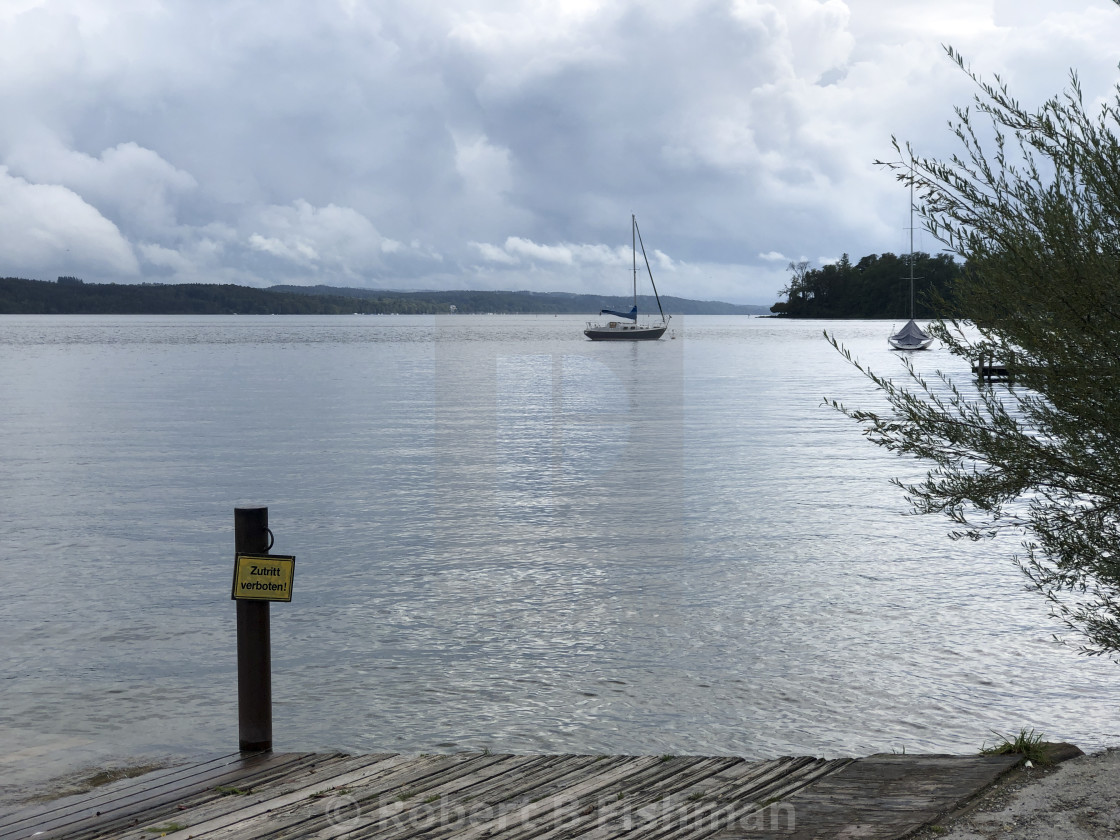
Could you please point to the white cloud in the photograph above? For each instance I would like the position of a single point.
(46, 230)
(328, 237)
(175, 261)
(494, 254)
(546, 253)
(516, 249)
(296, 251)
(485, 168)
(134, 185)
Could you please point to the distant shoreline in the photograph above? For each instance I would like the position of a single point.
(72, 296)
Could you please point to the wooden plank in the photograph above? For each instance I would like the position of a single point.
(758, 779)
(114, 790)
(506, 801)
(227, 816)
(478, 796)
(468, 798)
(882, 797)
(639, 803)
(578, 809)
(768, 796)
(409, 781)
(692, 813)
(525, 815)
(215, 810)
(164, 798)
(131, 795)
(169, 805)
(299, 815)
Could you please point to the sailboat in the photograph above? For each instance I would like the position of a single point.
(911, 337)
(618, 330)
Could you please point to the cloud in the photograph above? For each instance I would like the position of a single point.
(494, 254)
(131, 184)
(546, 253)
(482, 166)
(517, 249)
(47, 230)
(430, 145)
(334, 240)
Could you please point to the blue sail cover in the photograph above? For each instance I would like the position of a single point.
(632, 314)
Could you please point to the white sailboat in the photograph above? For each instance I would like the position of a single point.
(911, 336)
(618, 330)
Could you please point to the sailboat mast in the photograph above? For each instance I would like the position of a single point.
(911, 240)
(634, 254)
(649, 271)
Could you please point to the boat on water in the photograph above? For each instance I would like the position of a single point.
(911, 336)
(623, 329)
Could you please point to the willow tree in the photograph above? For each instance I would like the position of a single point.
(1031, 202)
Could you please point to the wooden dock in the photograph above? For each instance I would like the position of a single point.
(991, 372)
(483, 796)
(988, 370)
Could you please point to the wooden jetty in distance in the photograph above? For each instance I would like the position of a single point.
(483, 796)
(987, 370)
(991, 373)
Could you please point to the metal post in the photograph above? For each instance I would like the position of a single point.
(254, 654)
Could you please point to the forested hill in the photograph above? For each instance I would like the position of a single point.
(71, 296)
(549, 303)
(878, 286)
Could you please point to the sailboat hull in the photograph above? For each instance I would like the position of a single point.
(626, 332)
(910, 345)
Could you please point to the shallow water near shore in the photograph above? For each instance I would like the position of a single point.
(507, 538)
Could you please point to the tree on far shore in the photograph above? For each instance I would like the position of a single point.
(1032, 204)
(874, 287)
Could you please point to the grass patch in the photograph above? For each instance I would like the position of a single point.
(226, 790)
(72, 785)
(1027, 744)
(319, 794)
(107, 777)
(170, 828)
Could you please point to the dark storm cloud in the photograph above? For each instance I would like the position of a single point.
(485, 144)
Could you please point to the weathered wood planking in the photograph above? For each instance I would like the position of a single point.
(479, 796)
(120, 803)
(881, 797)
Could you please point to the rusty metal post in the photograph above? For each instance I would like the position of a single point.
(254, 644)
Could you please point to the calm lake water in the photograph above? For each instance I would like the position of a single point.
(507, 537)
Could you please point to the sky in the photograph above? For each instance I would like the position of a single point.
(493, 144)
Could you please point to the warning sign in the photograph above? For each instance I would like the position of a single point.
(263, 577)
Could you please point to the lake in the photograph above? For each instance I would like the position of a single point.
(507, 538)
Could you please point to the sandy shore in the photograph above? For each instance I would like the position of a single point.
(1076, 800)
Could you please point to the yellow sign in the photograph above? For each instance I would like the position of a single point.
(263, 577)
